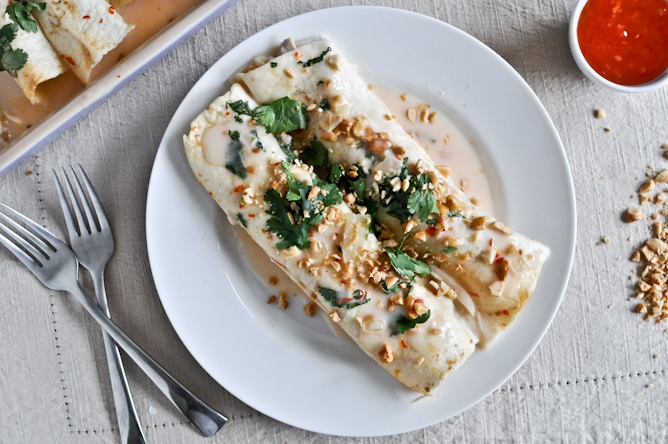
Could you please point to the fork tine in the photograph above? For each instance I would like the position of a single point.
(29, 261)
(72, 230)
(95, 200)
(49, 240)
(20, 236)
(81, 224)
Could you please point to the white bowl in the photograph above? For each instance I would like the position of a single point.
(593, 75)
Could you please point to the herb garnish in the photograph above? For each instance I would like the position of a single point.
(324, 104)
(405, 265)
(280, 116)
(299, 209)
(450, 249)
(315, 60)
(455, 214)
(273, 64)
(12, 60)
(358, 297)
(235, 161)
(403, 324)
(19, 12)
(242, 220)
(280, 224)
(315, 154)
(241, 107)
(418, 199)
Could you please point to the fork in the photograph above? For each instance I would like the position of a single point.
(93, 244)
(56, 266)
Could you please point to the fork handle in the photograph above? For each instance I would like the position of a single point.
(206, 419)
(128, 421)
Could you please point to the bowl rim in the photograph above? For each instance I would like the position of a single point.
(588, 71)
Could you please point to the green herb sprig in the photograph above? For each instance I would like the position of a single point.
(278, 117)
(12, 60)
(418, 199)
(403, 323)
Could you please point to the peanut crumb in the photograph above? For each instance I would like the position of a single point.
(310, 308)
(634, 215)
(599, 114)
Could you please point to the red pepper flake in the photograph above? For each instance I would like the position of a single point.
(491, 243)
(251, 215)
(112, 11)
(475, 295)
(86, 17)
(238, 188)
(69, 59)
(431, 231)
(404, 344)
(498, 259)
(505, 312)
(29, 173)
(297, 55)
(101, 20)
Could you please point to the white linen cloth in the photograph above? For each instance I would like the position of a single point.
(599, 375)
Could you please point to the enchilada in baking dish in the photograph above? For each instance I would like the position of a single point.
(303, 155)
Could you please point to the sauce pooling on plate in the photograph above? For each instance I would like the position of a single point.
(625, 41)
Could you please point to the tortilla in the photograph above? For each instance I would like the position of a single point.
(43, 62)
(496, 268)
(337, 269)
(404, 262)
(82, 32)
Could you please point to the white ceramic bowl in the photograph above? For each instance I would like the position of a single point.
(589, 71)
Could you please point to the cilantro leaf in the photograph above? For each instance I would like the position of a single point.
(235, 162)
(289, 233)
(405, 265)
(12, 60)
(450, 249)
(335, 173)
(455, 214)
(8, 34)
(282, 116)
(423, 201)
(241, 107)
(19, 13)
(315, 154)
(242, 220)
(315, 60)
(418, 199)
(358, 297)
(234, 135)
(403, 324)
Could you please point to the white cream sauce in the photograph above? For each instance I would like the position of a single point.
(446, 144)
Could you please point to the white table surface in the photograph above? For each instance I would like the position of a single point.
(599, 375)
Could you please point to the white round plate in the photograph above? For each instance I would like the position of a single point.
(294, 368)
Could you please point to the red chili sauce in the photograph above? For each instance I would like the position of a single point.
(625, 41)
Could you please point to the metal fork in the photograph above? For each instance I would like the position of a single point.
(56, 266)
(93, 244)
